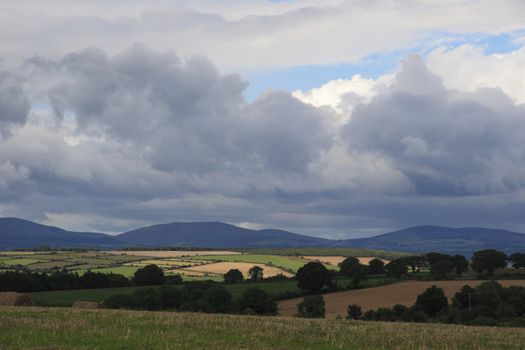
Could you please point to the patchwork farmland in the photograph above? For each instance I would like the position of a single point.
(191, 265)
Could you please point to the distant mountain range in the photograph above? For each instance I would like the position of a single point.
(17, 233)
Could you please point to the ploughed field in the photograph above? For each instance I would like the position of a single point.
(57, 328)
(404, 293)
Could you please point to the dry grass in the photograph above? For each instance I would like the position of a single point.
(223, 267)
(53, 328)
(404, 293)
(336, 260)
(15, 299)
(82, 304)
(172, 253)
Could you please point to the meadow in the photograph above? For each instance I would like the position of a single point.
(57, 328)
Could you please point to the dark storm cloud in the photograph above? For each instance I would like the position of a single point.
(143, 137)
(14, 105)
(447, 143)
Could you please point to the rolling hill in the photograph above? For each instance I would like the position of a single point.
(17, 233)
(216, 235)
(464, 240)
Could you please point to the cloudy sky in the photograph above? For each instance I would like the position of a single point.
(331, 118)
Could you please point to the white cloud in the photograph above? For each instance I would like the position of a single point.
(468, 68)
(248, 34)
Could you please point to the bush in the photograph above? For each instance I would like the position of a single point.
(484, 321)
(149, 275)
(258, 301)
(118, 301)
(171, 298)
(312, 306)
(147, 299)
(353, 312)
(173, 279)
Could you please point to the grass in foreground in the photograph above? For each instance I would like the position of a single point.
(32, 328)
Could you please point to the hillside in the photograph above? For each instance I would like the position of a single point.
(216, 235)
(442, 239)
(24, 328)
(17, 233)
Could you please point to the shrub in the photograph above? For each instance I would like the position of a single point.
(312, 306)
(484, 321)
(353, 312)
(147, 299)
(171, 298)
(218, 300)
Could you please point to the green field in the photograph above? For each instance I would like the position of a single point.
(127, 271)
(21, 261)
(383, 254)
(37, 328)
(68, 297)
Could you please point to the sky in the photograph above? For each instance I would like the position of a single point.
(332, 118)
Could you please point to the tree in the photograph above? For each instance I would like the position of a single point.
(218, 300)
(94, 280)
(233, 276)
(313, 276)
(415, 262)
(256, 300)
(432, 301)
(312, 306)
(485, 262)
(441, 269)
(517, 260)
(256, 274)
(353, 312)
(149, 275)
(467, 297)
(170, 297)
(396, 268)
(376, 267)
(357, 273)
(346, 264)
(460, 264)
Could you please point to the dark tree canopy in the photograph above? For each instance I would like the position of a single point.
(256, 300)
(485, 262)
(517, 260)
(149, 275)
(312, 306)
(396, 268)
(415, 262)
(460, 264)
(467, 297)
(353, 312)
(256, 274)
(441, 269)
(357, 273)
(233, 276)
(313, 276)
(346, 264)
(376, 267)
(432, 301)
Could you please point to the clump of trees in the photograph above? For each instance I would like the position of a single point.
(195, 297)
(313, 277)
(27, 281)
(488, 304)
(312, 306)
